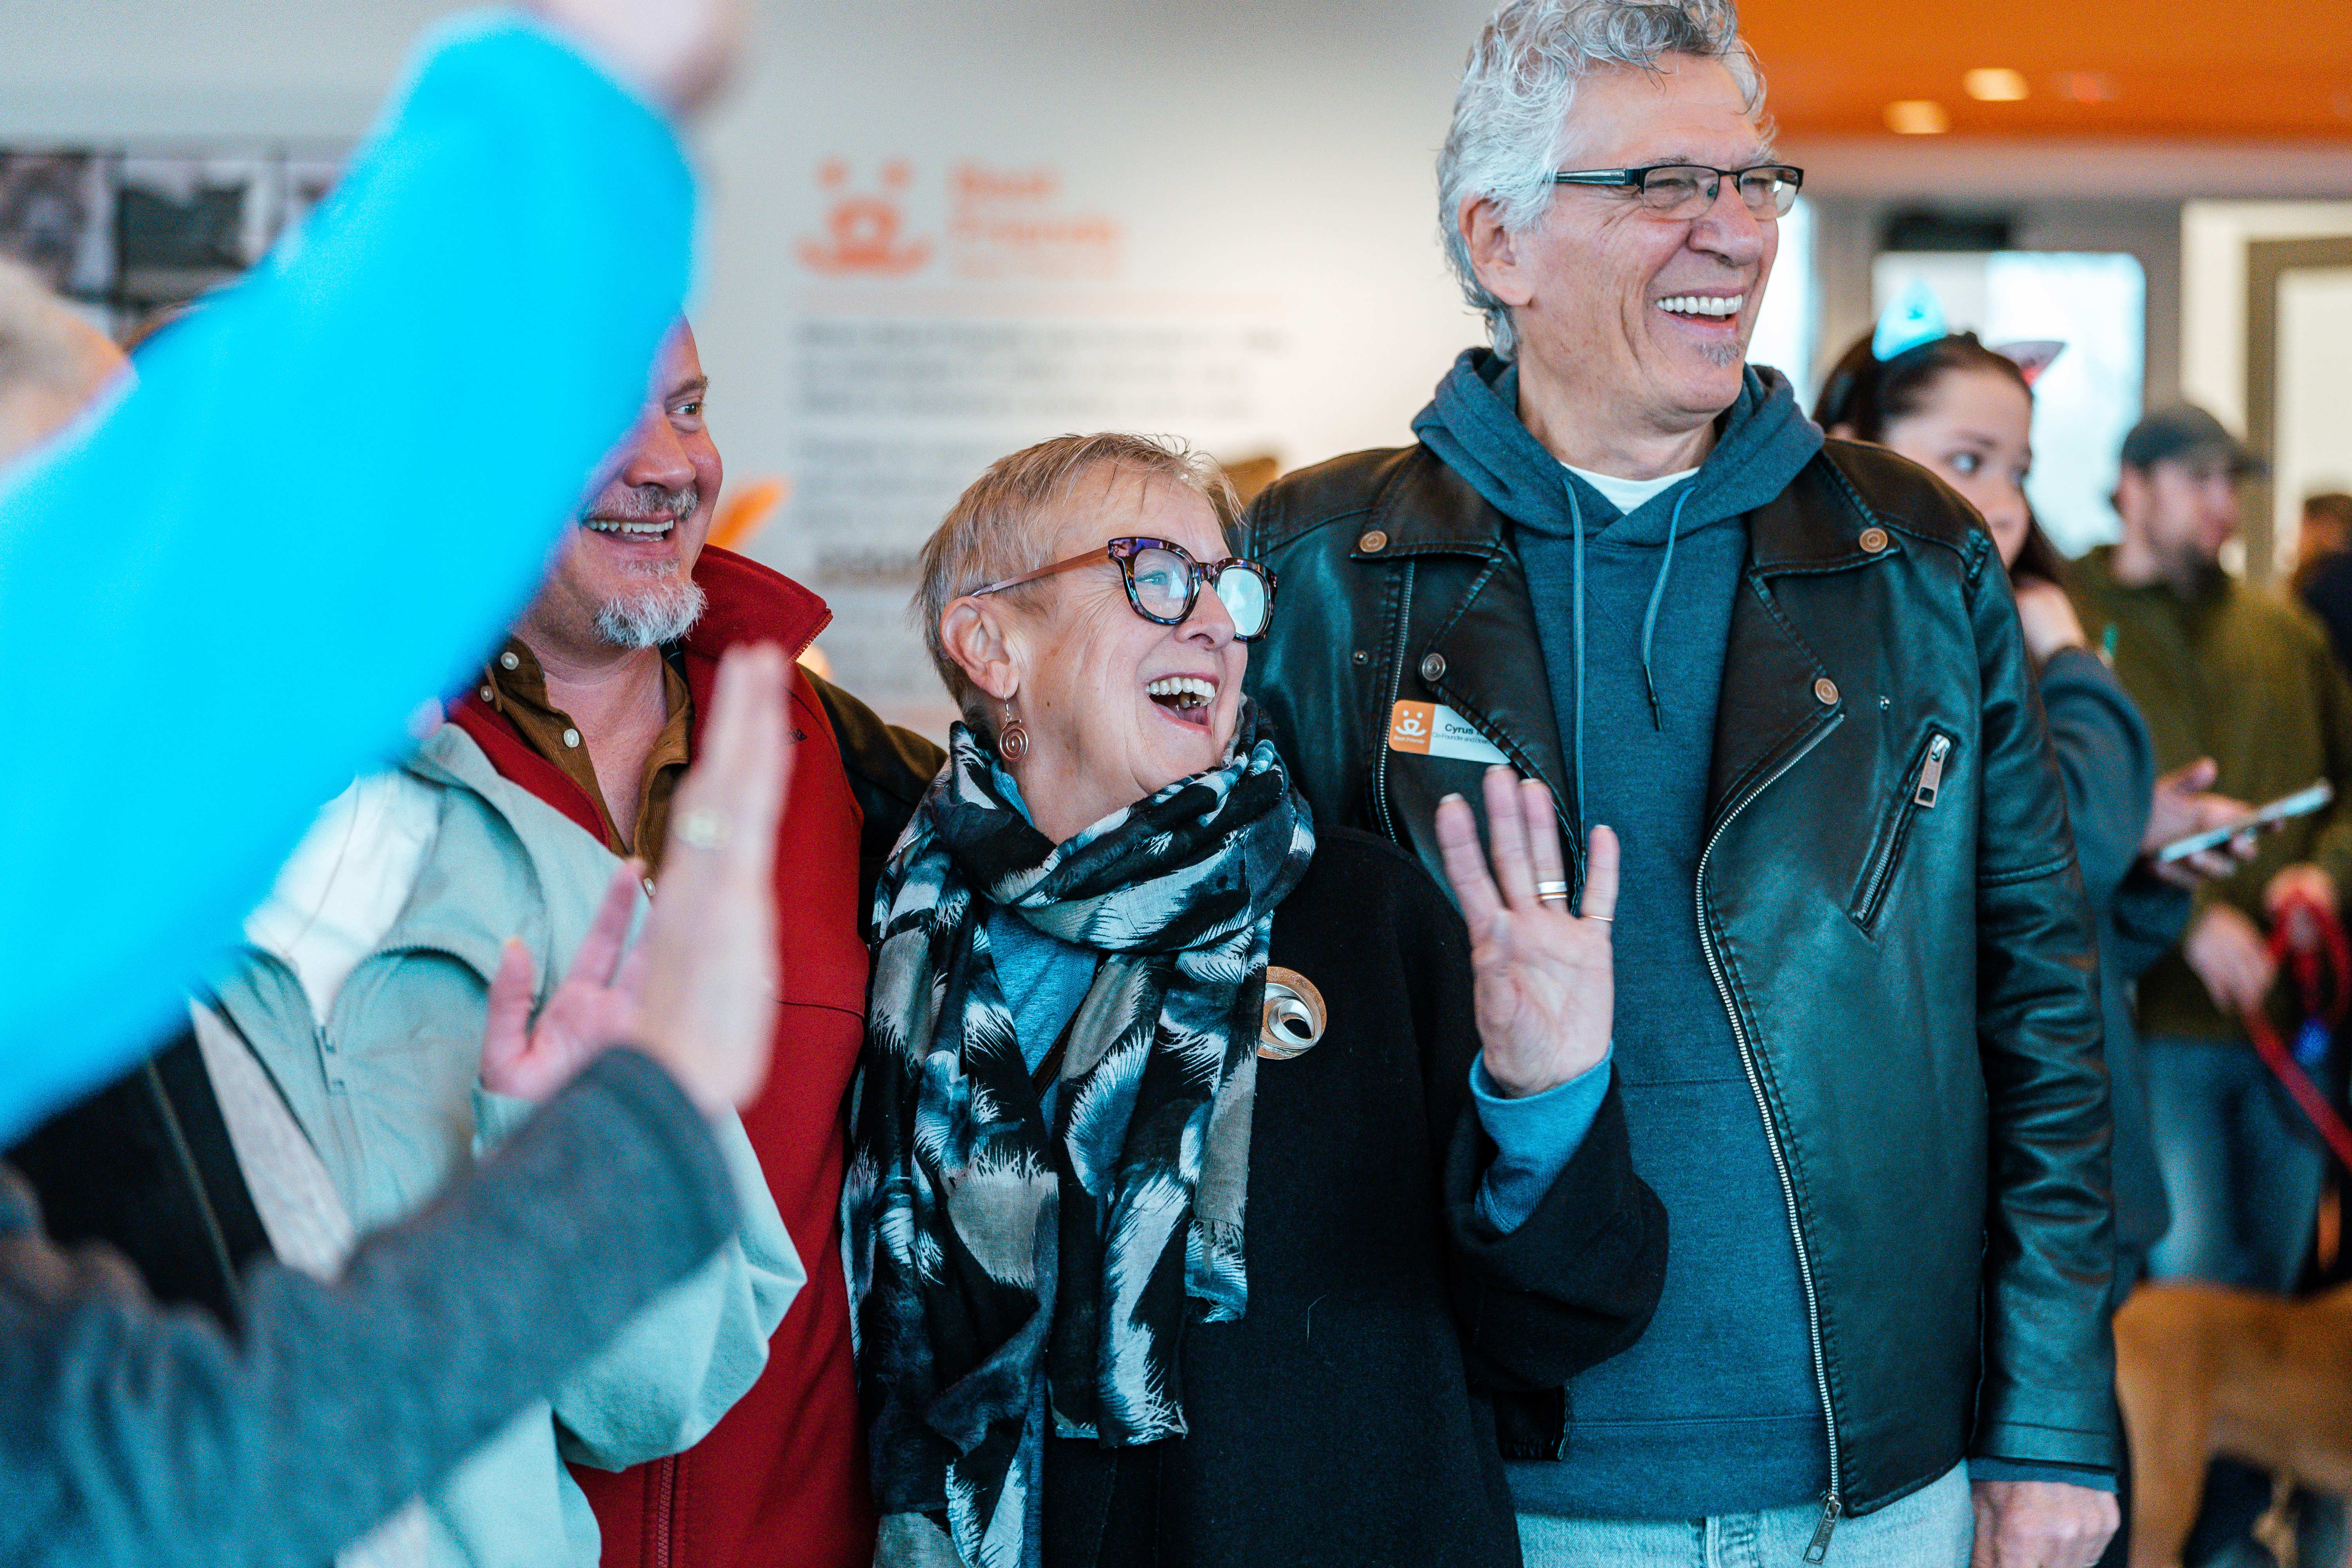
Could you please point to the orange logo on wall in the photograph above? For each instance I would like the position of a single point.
(863, 230)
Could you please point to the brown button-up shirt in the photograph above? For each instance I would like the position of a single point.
(515, 687)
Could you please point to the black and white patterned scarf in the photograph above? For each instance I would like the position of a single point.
(1009, 1272)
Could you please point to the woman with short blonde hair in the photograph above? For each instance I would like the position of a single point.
(1216, 1196)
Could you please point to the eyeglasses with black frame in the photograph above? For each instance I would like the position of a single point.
(1687, 190)
(1163, 583)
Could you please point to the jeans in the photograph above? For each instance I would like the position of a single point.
(2243, 1169)
(1933, 1528)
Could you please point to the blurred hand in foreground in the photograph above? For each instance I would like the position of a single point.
(594, 1006)
(697, 994)
(677, 52)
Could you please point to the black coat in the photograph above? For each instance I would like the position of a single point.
(1345, 1419)
(1903, 950)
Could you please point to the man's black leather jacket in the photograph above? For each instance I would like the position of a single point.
(1887, 897)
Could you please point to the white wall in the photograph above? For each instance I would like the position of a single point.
(2314, 396)
(2314, 423)
(1264, 169)
(2214, 240)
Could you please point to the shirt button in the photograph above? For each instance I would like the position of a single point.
(1362, 657)
(1874, 539)
(485, 694)
(1433, 666)
(1373, 541)
(572, 737)
(507, 660)
(1826, 689)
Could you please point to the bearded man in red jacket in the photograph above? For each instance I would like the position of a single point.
(595, 705)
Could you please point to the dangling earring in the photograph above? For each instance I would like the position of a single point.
(1013, 739)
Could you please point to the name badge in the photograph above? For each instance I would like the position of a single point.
(1433, 729)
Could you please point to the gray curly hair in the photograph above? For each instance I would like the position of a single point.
(1510, 116)
(1000, 526)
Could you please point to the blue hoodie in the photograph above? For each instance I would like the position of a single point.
(1715, 1410)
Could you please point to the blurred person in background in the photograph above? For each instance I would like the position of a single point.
(1965, 413)
(362, 999)
(525, 204)
(155, 1437)
(595, 705)
(53, 363)
(367, 980)
(1143, 1276)
(1858, 1027)
(2224, 671)
(2323, 568)
(137, 1436)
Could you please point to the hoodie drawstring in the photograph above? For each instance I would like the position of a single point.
(1649, 617)
(1576, 621)
(1576, 726)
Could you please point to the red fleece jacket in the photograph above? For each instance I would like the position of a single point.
(782, 1478)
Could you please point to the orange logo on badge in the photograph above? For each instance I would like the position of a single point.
(1433, 729)
(1410, 726)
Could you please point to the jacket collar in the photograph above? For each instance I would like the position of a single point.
(746, 601)
(1771, 707)
(750, 603)
(1425, 509)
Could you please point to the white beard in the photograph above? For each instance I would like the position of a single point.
(662, 611)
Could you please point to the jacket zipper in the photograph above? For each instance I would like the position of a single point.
(1926, 786)
(1832, 1501)
(664, 1495)
(1387, 710)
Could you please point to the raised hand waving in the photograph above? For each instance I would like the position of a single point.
(1545, 986)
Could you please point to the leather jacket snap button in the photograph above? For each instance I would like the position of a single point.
(1373, 541)
(1433, 666)
(1826, 689)
(1874, 539)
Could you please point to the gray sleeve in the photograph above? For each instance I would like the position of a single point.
(136, 1434)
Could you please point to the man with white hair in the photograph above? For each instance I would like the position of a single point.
(1857, 1038)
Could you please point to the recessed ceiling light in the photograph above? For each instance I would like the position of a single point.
(1995, 84)
(1918, 117)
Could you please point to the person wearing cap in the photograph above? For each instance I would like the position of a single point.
(2223, 670)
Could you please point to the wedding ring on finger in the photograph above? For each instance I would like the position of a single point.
(1553, 893)
(701, 828)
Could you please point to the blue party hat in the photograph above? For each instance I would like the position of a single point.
(1915, 319)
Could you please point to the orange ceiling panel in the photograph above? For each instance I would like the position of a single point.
(2171, 68)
